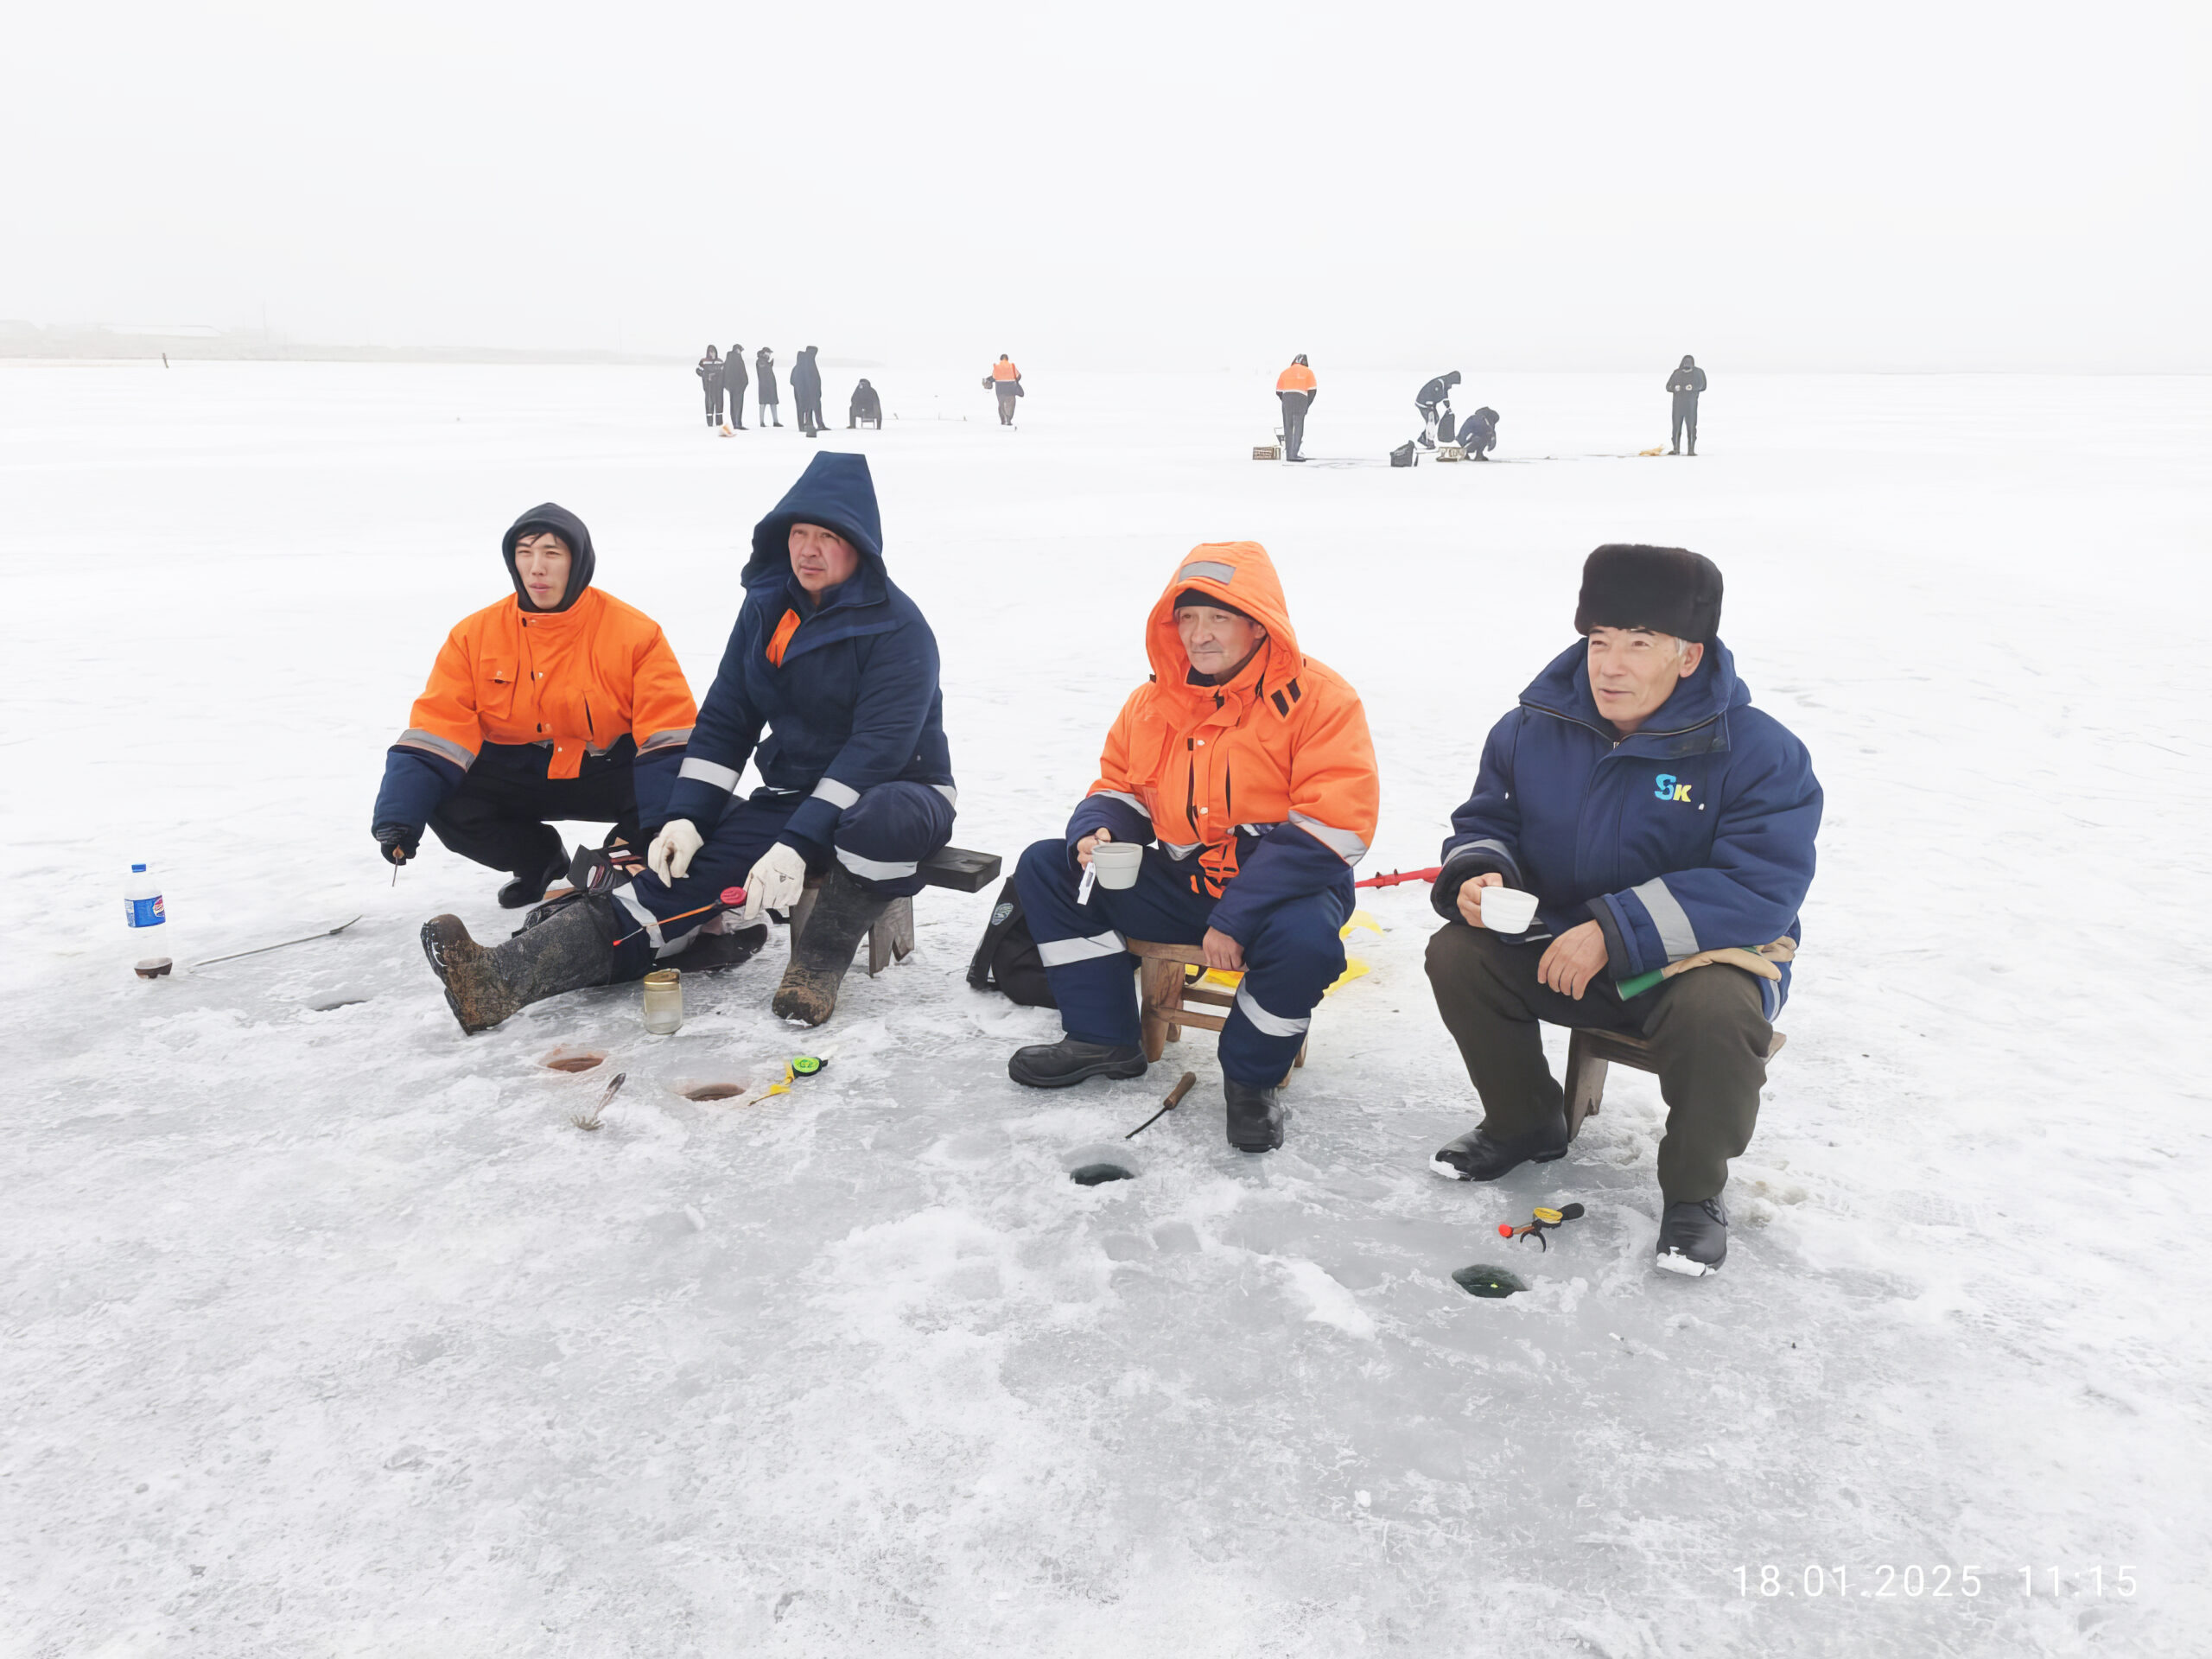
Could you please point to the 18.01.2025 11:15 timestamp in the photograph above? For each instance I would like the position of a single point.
(1917, 1583)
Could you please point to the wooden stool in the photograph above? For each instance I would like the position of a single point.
(891, 938)
(1165, 993)
(1589, 1053)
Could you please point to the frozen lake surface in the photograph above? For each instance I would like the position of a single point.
(327, 1332)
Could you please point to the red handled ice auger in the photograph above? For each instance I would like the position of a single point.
(731, 899)
(1396, 876)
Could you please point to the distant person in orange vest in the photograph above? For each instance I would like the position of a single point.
(1296, 387)
(1006, 380)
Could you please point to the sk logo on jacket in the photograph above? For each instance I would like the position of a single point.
(1668, 790)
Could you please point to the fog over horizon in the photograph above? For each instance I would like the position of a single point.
(1897, 187)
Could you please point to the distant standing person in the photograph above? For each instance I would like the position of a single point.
(734, 376)
(1297, 389)
(763, 377)
(1685, 383)
(806, 391)
(1006, 380)
(710, 382)
(1436, 395)
(1479, 434)
(866, 409)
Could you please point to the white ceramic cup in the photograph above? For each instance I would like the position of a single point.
(1508, 910)
(1117, 861)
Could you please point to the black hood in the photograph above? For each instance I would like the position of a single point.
(570, 529)
(1690, 362)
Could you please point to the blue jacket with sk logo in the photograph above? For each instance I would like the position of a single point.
(1695, 834)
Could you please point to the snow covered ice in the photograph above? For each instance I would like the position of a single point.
(328, 1332)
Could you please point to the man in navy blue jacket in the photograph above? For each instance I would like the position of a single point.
(1666, 827)
(841, 670)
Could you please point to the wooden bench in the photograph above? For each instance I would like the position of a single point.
(1165, 993)
(891, 938)
(1590, 1053)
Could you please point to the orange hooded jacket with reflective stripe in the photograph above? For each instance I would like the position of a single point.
(1266, 784)
(1296, 378)
(580, 679)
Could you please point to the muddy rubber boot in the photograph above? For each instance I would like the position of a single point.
(1255, 1117)
(843, 912)
(572, 948)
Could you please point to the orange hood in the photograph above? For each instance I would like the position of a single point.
(1239, 574)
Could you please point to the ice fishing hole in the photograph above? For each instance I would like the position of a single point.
(1491, 1283)
(714, 1091)
(574, 1059)
(1099, 1174)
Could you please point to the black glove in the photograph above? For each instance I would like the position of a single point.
(397, 841)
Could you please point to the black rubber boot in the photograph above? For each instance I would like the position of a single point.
(1693, 1237)
(843, 912)
(1058, 1065)
(711, 952)
(572, 948)
(1479, 1156)
(526, 890)
(1255, 1117)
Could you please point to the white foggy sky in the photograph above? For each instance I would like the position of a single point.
(1865, 185)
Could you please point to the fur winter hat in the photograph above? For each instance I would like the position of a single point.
(1667, 589)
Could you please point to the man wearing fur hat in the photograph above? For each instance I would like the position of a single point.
(1666, 827)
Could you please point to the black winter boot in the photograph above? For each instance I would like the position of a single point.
(1478, 1155)
(843, 912)
(572, 948)
(1693, 1237)
(526, 890)
(1255, 1117)
(1058, 1065)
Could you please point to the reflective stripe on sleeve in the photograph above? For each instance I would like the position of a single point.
(1271, 1025)
(640, 914)
(1124, 797)
(722, 777)
(951, 795)
(444, 748)
(1676, 937)
(673, 738)
(1213, 567)
(1345, 844)
(875, 869)
(1061, 953)
(839, 796)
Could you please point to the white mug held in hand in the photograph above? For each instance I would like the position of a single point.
(1118, 862)
(1508, 910)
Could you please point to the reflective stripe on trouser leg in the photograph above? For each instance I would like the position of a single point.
(1293, 956)
(1090, 970)
(885, 832)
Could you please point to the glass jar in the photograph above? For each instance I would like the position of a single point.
(665, 1002)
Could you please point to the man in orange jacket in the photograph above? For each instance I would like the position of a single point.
(559, 704)
(1005, 379)
(1296, 388)
(1245, 768)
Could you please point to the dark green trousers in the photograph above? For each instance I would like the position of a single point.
(1707, 1029)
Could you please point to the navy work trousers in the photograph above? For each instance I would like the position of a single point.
(1291, 956)
(881, 840)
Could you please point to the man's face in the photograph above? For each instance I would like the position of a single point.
(821, 558)
(1216, 641)
(1633, 672)
(541, 560)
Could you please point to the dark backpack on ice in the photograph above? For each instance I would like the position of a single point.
(1008, 959)
(1403, 454)
(1447, 428)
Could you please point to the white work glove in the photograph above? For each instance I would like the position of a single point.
(776, 883)
(669, 857)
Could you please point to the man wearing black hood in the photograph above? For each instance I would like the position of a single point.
(1434, 396)
(806, 390)
(1686, 383)
(710, 382)
(764, 383)
(866, 407)
(841, 669)
(1479, 434)
(560, 703)
(734, 378)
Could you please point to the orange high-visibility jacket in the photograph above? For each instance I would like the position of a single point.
(1005, 371)
(1296, 378)
(1267, 784)
(580, 679)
